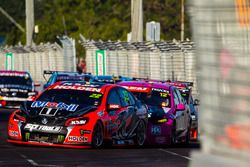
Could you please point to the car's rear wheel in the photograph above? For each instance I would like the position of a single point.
(97, 136)
(187, 139)
(173, 135)
(140, 136)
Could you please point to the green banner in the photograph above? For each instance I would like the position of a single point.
(9, 61)
(100, 62)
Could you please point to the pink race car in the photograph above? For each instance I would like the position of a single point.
(169, 119)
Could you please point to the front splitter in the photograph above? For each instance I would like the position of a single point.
(46, 144)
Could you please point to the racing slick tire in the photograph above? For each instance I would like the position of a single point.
(173, 136)
(187, 138)
(140, 136)
(97, 136)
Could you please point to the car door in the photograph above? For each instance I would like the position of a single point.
(179, 116)
(128, 101)
(186, 112)
(115, 120)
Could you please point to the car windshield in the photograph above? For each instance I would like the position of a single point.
(185, 94)
(154, 98)
(72, 97)
(15, 80)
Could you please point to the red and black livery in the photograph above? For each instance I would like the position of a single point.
(77, 114)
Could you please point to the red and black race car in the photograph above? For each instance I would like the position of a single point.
(75, 114)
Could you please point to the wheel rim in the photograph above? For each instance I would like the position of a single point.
(97, 136)
(140, 134)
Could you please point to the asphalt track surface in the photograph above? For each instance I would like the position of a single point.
(16, 155)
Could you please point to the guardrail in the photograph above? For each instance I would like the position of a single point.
(38, 58)
(156, 60)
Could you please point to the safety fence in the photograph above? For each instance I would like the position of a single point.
(155, 60)
(221, 34)
(38, 58)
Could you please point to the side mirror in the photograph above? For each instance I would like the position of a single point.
(114, 106)
(36, 84)
(196, 102)
(180, 107)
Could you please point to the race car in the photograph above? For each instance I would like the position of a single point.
(168, 119)
(110, 79)
(78, 114)
(16, 87)
(56, 76)
(186, 92)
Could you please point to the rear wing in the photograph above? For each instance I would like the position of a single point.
(190, 84)
(50, 72)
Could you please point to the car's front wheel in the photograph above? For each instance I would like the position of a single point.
(97, 136)
(140, 136)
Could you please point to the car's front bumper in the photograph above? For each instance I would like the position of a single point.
(32, 143)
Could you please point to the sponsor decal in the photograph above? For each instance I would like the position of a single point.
(160, 90)
(75, 87)
(114, 106)
(77, 139)
(13, 133)
(137, 89)
(78, 122)
(83, 131)
(42, 128)
(156, 130)
(60, 106)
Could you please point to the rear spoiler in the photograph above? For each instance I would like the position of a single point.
(49, 72)
(185, 82)
(139, 79)
(189, 84)
(150, 80)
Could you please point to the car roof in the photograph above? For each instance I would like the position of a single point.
(146, 84)
(14, 73)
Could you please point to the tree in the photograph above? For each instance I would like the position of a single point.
(95, 19)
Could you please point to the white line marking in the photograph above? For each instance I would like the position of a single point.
(32, 162)
(23, 156)
(173, 153)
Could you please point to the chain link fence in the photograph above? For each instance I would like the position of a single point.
(156, 60)
(221, 32)
(41, 57)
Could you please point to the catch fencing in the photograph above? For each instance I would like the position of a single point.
(155, 60)
(37, 58)
(221, 34)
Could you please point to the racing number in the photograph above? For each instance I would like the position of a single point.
(95, 96)
(163, 94)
